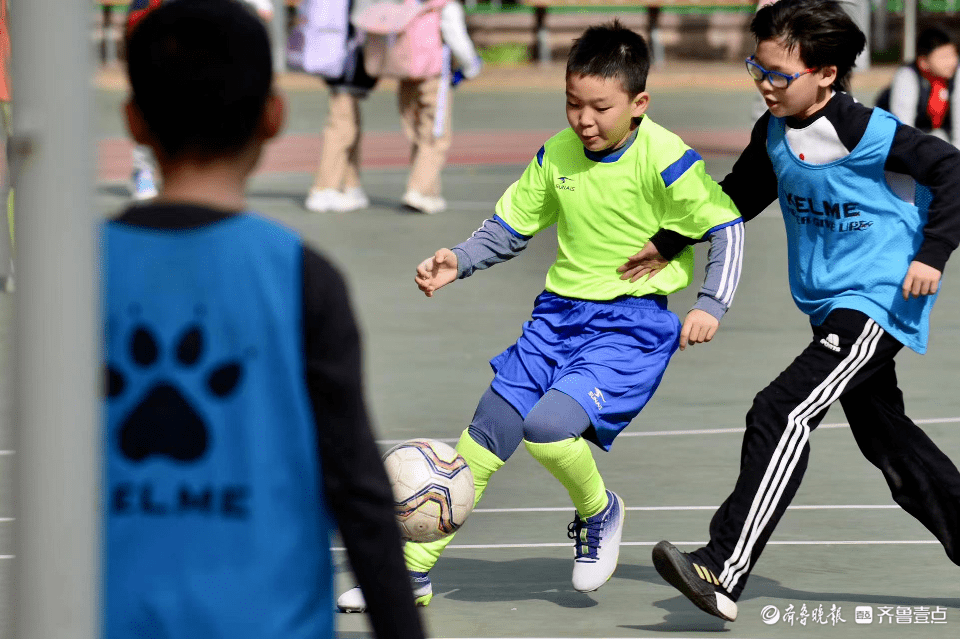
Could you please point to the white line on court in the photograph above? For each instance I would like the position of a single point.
(700, 431)
(683, 508)
(825, 542)
(6, 452)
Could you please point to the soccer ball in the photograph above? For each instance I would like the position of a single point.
(432, 488)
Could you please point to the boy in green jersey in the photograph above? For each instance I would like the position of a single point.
(599, 340)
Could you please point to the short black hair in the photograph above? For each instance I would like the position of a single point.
(932, 38)
(200, 73)
(821, 30)
(612, 51)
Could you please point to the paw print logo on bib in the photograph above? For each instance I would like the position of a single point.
(164, 421)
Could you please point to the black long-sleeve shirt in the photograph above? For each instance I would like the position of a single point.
(831, 133)
(355, 482)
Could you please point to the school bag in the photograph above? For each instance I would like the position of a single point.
(319, 40)
(402, 40)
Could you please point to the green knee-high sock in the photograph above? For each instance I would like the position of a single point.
(483, 463)
(571, 462)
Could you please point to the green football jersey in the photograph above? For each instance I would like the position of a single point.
(606, 208)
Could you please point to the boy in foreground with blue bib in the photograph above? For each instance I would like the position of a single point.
(872, 212)
(236, 440)
(598, 343)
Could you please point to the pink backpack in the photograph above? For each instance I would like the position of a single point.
(402, 40)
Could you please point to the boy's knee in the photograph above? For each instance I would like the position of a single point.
(556, 417)
(496, 425)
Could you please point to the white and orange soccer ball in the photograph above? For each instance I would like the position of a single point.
(432, 488)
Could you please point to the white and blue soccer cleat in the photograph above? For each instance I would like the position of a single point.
(597, 544)
(353, 601)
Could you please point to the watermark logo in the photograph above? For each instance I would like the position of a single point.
(813, 616)
(770, 615)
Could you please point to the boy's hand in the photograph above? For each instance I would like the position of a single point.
(436, 271)
(647, 262)
(698, 327)
(921, 279)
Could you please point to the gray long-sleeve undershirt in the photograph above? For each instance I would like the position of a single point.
(492, 243)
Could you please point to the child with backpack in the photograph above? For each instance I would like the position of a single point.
(414, 42)
(326, 44)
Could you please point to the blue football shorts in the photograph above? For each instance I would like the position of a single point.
(608, 356)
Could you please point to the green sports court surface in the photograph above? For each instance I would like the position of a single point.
(843, 545)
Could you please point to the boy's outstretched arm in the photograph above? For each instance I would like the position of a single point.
(436, 271)
(492, 243)
(724, 264)
(751, 184)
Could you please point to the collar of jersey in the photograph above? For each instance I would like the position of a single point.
(611, 155)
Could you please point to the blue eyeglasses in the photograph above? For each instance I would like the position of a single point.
(777, 80)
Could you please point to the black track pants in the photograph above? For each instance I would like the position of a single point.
(850, 358)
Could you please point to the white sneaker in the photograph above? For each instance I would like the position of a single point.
(351, 200)
(319, 200)
(142, 185)
(597, 545)
(353, 601)
(429, 204)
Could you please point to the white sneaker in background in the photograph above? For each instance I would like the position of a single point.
(429, 204)
(351, 200)
(319, 200)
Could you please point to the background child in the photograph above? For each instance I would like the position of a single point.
(872, 211)
(425, 112)
(921, 93)
(598, 343)
(236, 436)
(331, 49)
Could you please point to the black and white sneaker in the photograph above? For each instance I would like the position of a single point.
(696, 582)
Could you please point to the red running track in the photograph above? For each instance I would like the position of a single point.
(299, 153)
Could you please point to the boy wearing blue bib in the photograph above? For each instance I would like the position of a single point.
(872, 212)
(236, 441)
(598, 342)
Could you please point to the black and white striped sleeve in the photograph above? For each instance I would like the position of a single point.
(724, 264)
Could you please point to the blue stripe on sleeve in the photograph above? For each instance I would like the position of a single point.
(514, 233)
(721, 226)
(673, 172)
(540, 155)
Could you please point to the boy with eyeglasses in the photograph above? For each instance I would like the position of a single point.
(597, 345)
(872, 212)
